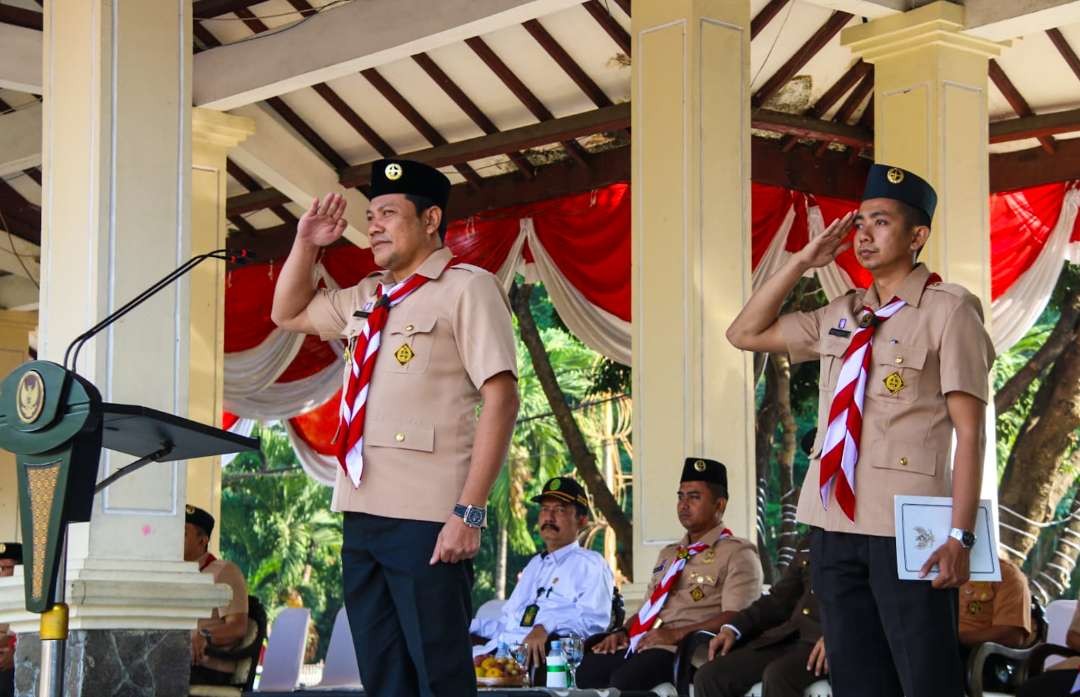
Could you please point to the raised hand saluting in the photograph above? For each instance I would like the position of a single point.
(824, 248)
(323, 223)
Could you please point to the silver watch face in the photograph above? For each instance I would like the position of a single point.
(474, 517)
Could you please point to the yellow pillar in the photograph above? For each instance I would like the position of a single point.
(213, 135)
(930, 117)
(15, 329)
(691, 259)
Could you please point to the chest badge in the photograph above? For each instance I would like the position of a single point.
(404, 354)
(894, 382)
(974, 607)
(708, 557)
(697, 593)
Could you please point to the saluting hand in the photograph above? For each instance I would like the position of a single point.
(824, 248)
(722, 643)
(456, 542)
(954, 565)
(322, 224)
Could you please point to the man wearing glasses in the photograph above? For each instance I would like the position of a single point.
(564, 590)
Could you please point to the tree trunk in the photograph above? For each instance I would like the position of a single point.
(500, 562)
(1064, 331)
(768, 416)
(1054, 577)
(580, 453)
(786, 462)
(1034, 480)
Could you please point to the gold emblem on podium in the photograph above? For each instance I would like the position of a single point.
(30, 396)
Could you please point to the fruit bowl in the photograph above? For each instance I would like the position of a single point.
(498, 672)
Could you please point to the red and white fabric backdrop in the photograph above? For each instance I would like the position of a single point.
(579, 247)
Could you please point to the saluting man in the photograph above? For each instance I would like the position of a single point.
(427, 340)
(904, 365)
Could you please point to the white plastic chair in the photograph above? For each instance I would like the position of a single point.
(490, 610)
(285, 651)
(1059, 616)
(820, 688)
(340, 669)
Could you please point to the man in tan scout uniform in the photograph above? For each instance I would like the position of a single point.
(428, 342)
(698, 583)
(997, 611)
(904, 366)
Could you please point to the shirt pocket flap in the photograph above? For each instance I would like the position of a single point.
(354, 326)
(833, 346)
(909, 457)
(900, 355)
(409, 436)
(418, 324)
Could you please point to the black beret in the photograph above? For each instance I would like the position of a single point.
(564, 489)
(394, 176)
(884, 181)
(701, 469)
(200, 519)
(11, 550)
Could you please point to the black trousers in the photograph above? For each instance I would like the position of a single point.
(1052, 683)
(781, 668)
(7, 683)
(641, 671)
(409, 620)
(884, 637)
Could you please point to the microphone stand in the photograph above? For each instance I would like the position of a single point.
(55, 620)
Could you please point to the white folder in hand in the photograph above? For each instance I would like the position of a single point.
(923, 524)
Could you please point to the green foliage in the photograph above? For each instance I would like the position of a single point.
(280, 531)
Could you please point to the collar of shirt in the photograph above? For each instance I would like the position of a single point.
(910, 289)
(710, 538)
(560, 555)
(432, 267)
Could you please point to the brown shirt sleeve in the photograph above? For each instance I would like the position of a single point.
(230, 574)
(801, 332)
(482, 329)
(742, 583)
(1012, 600)
(966, 351)
(330, 310)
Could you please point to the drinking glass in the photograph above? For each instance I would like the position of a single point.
(574, 648)
(520, 654)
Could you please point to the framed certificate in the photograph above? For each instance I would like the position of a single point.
(923, 524)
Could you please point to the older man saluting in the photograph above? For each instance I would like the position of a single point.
(427, 341)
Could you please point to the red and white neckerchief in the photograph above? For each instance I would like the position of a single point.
(646, 617)
(841, 446)
(359, 367)
(207, 561)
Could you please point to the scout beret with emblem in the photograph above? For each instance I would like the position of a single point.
(11, 550)
(701, 469)
(199, 518)
(885, 181)
(394, 176)
(564, 489)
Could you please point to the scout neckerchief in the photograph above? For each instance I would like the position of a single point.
(207, 561)
(646, 617)
(841, 446)
(359, 367)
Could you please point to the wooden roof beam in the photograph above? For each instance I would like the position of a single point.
(1017, 101)
(21, 58)
(523, 93)
(1034, 166)
(806, 128)
(818, 41)
(832, 95)
(1038, 126)
(766, 15)
(620, 36)
(624, 5)
(20, 17)
(597, 121)
(568, 64)
(1066, 51)
(851, 104)
(251, 184)
(205, 9)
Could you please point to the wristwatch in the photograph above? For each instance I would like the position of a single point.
(474, 516)
(966, 538)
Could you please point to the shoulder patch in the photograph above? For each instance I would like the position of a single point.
(467, 267)
(950, 288)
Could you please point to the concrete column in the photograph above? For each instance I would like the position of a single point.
(15, 329)
(213, 135)
(930, 117)
(115, 218)
(691, 259)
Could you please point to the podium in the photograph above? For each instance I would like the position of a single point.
(55, 423)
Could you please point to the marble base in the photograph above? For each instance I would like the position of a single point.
(112, 663)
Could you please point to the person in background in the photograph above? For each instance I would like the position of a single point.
(10, 557)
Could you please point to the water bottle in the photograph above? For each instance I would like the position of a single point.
(558, 673)
(503, 651)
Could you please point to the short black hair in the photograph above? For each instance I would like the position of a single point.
(422, 203)
(718, 490)
(913, 217)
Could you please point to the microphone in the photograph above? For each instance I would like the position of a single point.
(239, 257)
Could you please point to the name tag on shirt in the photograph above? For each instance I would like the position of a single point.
(528, 618)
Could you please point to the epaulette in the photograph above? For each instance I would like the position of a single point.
(950, 288)
(468, 267)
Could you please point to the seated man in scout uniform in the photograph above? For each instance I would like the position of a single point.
(776, 641)
(698, 583)
(1060, 679)
(10, 557)
(226, 627)
(995, 611)
(564, 590)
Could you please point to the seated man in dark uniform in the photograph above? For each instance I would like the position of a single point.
(777, 641)
(698, 583)
(10, 557)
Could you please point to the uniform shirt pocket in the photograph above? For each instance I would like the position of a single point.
(897, 371)
(832, 350)
(403, 435)
(909, 457)
(410, 341)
